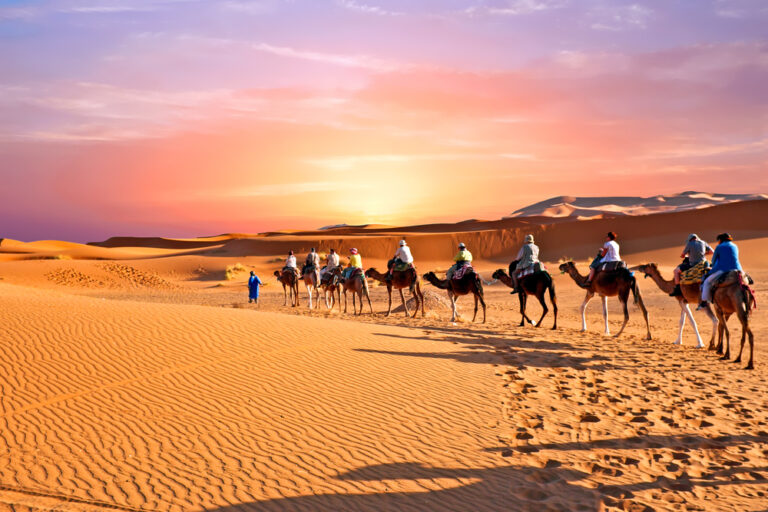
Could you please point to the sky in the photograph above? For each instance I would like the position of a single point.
(188, 117)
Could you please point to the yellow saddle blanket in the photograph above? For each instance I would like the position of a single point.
(695, 274)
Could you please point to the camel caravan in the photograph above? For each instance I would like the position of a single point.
(720, 289)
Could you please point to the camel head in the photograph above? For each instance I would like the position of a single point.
(499, 274)
(370, 272)
(277, 273)
(648, 269)
(567, 266)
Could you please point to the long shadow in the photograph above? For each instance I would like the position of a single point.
(473, 489)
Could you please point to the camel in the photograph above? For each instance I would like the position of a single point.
(733, 296)
(357, 286)
(691, 294)
(401, 279)
(608, 284)
(311, 280)
(290, 283)
(469, 283)
(533, 284)
(330, 288)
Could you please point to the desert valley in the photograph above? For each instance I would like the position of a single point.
(137, 376)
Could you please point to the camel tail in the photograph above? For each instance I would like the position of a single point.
(635, 290)
(749, 295)
(479, 284)
(552, 296)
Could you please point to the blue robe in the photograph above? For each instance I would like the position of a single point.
(253, 287)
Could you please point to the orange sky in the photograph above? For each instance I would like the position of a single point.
(151, 122)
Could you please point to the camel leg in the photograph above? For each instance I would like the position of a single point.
(345, 301)
(713, 318)
(421, 300)
(699, 342)
(389, 293)
(354, 307)
(285, 296)
(521, 297)
(309, 293)
(583, 311)
(679, 340)
(368, 298)
(452, 298)
(641, 304)
(482, 303)
(405, 306)
(727, 351)
(544, 308)
(605, 316)
(625, 307)
(720, 333)
(475, 315)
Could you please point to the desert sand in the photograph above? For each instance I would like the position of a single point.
(135, 376)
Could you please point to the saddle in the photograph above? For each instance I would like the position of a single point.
(402, 267)
(308, 269)
(536, 267)
(356, 273)
(461, 271)
(611, 266)
(695, 274)
(733, 277)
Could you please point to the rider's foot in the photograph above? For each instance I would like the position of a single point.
(702, 305)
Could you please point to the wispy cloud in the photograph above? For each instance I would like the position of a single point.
(345, 60)
(292, 189)
(514, 7)
(616, 18)
(367, 8)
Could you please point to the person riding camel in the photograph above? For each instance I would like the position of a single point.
(726, 259)
(331, 262)
(696, 250)
(462, 258)
(608, 253)
(355, 263)
(402, 256)
(527, 256)
(290, 263)
(312, 261)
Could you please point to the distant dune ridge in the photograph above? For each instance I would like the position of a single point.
(587, 207)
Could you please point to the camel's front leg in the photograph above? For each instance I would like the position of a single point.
(583, 311)
(309, 292)
(681, 324)
(605, 316)
(285, 296)
(452, 298)
(405, 305)
(713, 319)
(625, 307)
(389, 307)
(699, 342)
(475, 315)
(345, 302)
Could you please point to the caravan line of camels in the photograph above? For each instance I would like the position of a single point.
(732, 295)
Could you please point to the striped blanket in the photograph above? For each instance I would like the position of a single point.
(695, 274)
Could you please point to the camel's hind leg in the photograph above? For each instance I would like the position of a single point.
(679, 340)
(605, 316)
(405, 305)
(641, 304)
(389, 293)
(482, 303)
(420, 298)
(745, 331)
(625, 308)
(544, 307)
(713, 318)
(475, 315)
(687, 310)
(452, 298)
(726, 348)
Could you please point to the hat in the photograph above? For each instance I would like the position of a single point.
(353, 250)
(693, 236)
(724, 237)
(529, 238)
(402, 243)
(462, 246)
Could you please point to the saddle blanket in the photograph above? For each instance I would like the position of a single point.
(402, 267)
(462, 270)
(536, 267)
(308, 269)
(695, 274)
(355, 272)
(610, 266)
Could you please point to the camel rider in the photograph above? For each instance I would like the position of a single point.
(608, 253)
(290, 263)
(462, 258)
(527, 256)
(402, 256)
(331, 262)
(696, 250)
(355, 262)
(312, 261)
(726, 259)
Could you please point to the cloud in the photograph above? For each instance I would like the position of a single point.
(346, 60)
(617, 18)
(367, 8)
(514, 7)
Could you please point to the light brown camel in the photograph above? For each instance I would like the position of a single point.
(332, 288)
(290, 283)
(691, 294)
(356, 285)
(609, 284)
(311, 280)
(401, 279)
(469, 283)
(733, 296)
(534, 284)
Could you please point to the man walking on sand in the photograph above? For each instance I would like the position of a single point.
(253, 288)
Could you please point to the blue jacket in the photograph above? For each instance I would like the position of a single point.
(253, 287)
(726, 258)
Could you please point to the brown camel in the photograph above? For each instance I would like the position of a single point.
(469, 283)
(356, 285)
(401, 279)
(332, 288)
(691, 294)
(290, 284)
(311, 280)
(608, 284)
(734, 296)
(533, 284)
